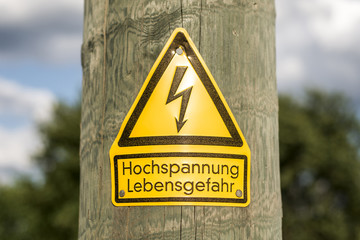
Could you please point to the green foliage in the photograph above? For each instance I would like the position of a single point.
(320, 166)
(47, 209)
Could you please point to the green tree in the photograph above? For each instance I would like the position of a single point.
(320, 167)
(47, 209)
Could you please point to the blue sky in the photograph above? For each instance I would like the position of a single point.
(40, 40)
(40, 45)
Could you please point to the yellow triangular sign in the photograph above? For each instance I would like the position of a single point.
(180, 102)
(179, 112)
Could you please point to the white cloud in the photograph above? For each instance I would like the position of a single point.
(19, 11)
(318, 45)
(333, 23)
(28, 30)
(25, 101)
(16, 148)
(19, 143)
(330, 23)
(292, 72)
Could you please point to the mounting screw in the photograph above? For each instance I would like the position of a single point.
(179, 51)
(122, 193)
(238, 193)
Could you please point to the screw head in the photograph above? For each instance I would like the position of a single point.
(179, 51)
(122, 193)
(238, 193)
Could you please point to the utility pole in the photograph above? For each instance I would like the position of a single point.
(122, 40)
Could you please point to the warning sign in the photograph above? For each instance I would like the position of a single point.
(180, 144)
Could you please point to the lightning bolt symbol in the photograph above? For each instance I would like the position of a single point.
(179, 74)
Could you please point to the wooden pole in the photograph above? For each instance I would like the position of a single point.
(122, 39)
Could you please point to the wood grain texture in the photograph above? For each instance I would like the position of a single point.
(122, 39)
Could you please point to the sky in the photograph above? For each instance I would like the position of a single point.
(317, 46)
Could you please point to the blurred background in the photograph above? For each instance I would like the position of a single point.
(318, 74)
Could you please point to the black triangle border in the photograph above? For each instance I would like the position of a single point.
(235, 139)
